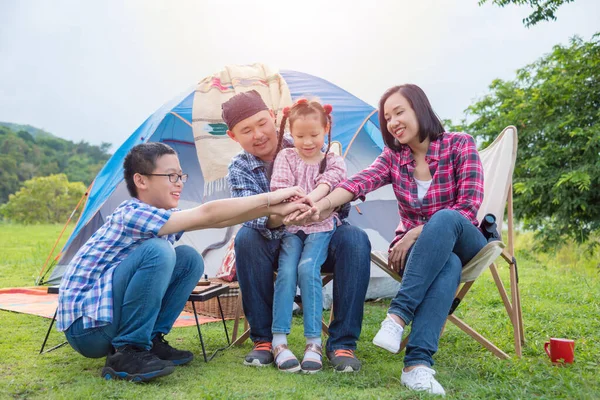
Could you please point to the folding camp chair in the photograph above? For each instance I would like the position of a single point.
(498, 161)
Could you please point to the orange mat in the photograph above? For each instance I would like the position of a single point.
(36, 301)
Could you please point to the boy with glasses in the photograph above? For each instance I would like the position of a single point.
(126, 286)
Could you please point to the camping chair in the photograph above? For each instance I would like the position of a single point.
(336, 147)
(498, 161)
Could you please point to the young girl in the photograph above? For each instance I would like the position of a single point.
(304, 248)
(438, 181)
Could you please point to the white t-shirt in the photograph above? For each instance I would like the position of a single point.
(422, 188)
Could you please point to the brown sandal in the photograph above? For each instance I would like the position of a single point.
(290, 364)
(312, 365)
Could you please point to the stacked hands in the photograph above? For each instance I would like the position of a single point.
(295, 206)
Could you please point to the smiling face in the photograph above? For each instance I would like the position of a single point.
(158, 191)
(257, 135)
(401, 120)
(308, 133)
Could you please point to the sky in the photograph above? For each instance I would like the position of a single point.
(95, 70)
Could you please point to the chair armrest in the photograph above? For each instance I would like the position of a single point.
(380, 258)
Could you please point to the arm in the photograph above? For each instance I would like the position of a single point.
(281, 178)
(469, 179)
(333, 176)
(226, 212)
(360, 184)
(244, 182)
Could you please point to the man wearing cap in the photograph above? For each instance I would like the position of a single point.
(252, 125)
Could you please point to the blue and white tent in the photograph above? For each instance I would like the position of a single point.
(355, 126)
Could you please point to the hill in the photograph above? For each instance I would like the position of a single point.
(27, 152)
(33, 131)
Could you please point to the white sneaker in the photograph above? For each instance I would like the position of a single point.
(389, 335)
(421, 379)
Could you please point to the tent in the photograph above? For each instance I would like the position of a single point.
(355, 126)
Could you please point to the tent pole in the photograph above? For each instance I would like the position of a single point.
(41, 274)
(181, 118)
(357, 131)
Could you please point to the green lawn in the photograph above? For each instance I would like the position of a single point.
(560, 295)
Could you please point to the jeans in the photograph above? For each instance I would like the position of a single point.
(348, 258)
(300, 259)
(150, 288)
(432, 275)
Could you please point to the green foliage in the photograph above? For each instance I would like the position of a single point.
(543, 10)
(27, 152)
(45, 199)
(555, 104)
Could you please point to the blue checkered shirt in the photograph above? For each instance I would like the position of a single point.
(86, 287)
(249, 175)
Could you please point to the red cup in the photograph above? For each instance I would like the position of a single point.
(560, 350)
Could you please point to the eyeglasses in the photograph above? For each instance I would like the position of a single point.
(173, 178)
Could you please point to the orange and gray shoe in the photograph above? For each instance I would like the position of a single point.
(261, 355)
(344, 360)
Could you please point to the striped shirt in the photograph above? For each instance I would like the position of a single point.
(290, 170)
(86, 287)
(457, 182)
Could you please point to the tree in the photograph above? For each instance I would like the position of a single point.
(43, 200)
(543, 10)
(555, 104)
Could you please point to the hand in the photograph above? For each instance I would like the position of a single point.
(284, 209)
(397, 254)
(301, 218)
(291, 194)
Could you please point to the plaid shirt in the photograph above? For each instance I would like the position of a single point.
(290, 170)
(248, 176)
(457, 181)
(86, 287)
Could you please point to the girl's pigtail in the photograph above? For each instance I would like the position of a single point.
(286, 113)
(323, 165)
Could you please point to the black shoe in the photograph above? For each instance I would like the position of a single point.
(344, 360)
(261, 355)
(134, 364)
(163, 350)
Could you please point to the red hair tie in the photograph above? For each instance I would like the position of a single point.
(302, 101)
(286, 112)
(328, 108)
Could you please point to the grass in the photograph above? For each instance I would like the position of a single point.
(560, 295)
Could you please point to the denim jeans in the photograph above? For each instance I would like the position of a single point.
(300, 259)
(150, 288)
(432, 275)
(348, 258)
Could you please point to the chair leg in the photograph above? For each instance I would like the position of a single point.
(236, 323)
(502, 291)
(475, 335)
(238, 341)
(403, 343)
(515, 306)
(243, 337)
(48, 334)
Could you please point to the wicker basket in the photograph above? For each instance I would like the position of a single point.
(229, 302)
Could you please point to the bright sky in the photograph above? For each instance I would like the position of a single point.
(95, 70)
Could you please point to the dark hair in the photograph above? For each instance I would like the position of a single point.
(430, 125)
(302, 108)
(141, 159)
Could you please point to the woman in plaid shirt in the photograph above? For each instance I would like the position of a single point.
(438, 180)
